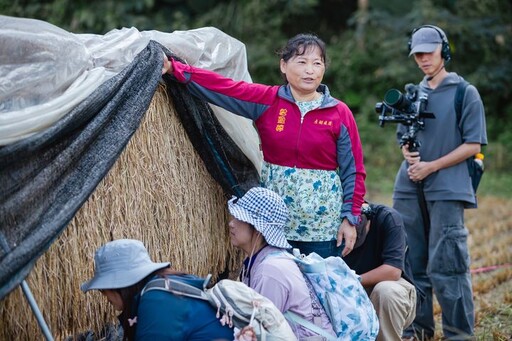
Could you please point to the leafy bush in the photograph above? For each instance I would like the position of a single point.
(367, 48)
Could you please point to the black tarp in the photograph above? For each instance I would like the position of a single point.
(46, 178)
(227, 164)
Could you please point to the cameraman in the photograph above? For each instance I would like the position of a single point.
(433, 187)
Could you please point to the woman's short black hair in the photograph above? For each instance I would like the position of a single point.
(299, 44)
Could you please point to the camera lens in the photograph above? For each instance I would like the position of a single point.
(396, 99)
(393, 97)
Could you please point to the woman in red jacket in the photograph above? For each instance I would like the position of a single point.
(312, 152)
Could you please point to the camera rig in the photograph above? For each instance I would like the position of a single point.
(408, 109)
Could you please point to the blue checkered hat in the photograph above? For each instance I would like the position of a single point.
(266, 211)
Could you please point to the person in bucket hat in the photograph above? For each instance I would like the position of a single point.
(122, 269)
(257, 228)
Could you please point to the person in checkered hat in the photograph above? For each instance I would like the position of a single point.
(257, 228)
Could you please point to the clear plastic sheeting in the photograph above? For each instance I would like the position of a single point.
(45, 72)
(207, 48)
(38, 62)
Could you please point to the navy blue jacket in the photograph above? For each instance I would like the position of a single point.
(164, 316)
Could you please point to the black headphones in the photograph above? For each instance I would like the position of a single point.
(445, 48)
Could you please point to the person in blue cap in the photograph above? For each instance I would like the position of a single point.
(433, 187)
(122, 269)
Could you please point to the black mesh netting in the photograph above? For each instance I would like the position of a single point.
(46, 178)
(227, 164)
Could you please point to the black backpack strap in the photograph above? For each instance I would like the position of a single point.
(459, 99)
(475, 171)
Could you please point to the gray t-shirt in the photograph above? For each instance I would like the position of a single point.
(441, 136)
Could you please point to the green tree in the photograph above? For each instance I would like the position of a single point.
(366, 39)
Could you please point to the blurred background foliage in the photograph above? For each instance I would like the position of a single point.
(367, 48)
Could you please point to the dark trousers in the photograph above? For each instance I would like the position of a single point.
(323, 249)
(441, 266)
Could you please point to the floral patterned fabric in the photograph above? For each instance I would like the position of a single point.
(344, 299)
(304, 107)
(314, 199)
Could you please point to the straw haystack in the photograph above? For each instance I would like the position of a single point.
(158, 191)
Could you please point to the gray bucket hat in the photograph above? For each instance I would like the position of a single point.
(119, 264)
(266, 211)
(425, 40)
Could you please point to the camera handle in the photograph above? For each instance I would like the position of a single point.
(414, 145)
(410, 139)
(418, 124)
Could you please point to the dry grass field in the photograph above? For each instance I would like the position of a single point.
(490, 243)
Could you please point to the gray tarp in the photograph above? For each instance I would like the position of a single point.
(45, 178)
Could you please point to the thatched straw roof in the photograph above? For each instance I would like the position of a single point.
(158, 191)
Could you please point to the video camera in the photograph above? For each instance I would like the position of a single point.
(408, 109)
